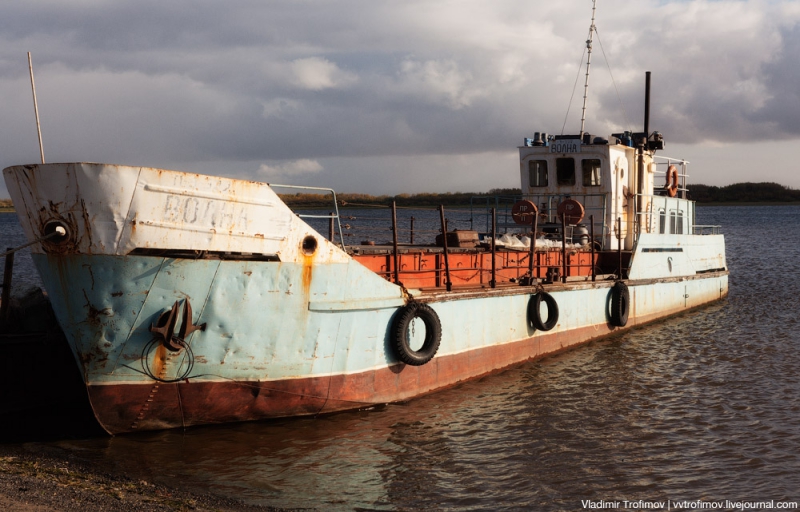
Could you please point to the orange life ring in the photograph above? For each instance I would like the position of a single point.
(523, 212)
(572, 210)
(672, 181)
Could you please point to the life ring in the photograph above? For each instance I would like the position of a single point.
(523, 212)
(400, 333)
(572, 210)
(534, 313)
(672, 181)
(620, 304)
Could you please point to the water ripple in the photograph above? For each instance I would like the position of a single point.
(703, 406)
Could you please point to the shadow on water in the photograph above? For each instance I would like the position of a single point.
(43, 397)
(51, 422)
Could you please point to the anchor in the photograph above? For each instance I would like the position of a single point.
(164, 328)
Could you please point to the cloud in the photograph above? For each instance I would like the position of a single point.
(439, 82)
(315, 74)
(294, 168)
(779, 108)
(201, 85)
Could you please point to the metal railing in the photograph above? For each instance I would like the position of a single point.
(547, 204)
(706, 229)
(670, 215)
(528, 265)
(333, 216)
(682, 166)
(664, 214)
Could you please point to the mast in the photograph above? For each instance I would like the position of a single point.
(36, 107)
(588, 63)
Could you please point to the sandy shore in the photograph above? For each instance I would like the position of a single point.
(34, 480)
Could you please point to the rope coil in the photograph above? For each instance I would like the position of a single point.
(146, 360)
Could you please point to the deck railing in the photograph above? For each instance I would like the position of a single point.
(671, 215)
(333, 216)
(596, 208)
(706, 229)
(662, 165)
(396, 257)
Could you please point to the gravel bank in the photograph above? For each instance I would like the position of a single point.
(34, 479)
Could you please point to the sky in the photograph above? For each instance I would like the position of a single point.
(391, 97)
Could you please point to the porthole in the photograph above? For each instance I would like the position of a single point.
(56, 232)
(309, 245)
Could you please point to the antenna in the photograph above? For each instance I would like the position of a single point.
(36, 107)
(588, 63)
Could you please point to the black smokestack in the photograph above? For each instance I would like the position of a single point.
(647, 105)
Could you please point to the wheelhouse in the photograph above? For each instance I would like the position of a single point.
(613, 181)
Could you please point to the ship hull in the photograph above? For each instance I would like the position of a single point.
(124, 408)
(288, 323)
(269, 351)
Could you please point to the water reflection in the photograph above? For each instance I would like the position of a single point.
(652, 413)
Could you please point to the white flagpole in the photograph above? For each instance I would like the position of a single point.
(36, 108)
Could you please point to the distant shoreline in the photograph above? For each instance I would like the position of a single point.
(749, 203)
(463, 206)
(737, 194)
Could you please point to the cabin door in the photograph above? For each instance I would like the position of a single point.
(619, 231)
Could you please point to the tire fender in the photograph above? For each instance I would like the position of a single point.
(534, 311)
(620, 304)
(399, 334)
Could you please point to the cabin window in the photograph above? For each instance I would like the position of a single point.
(565, 171)
(537, 173)
(676, 222)
(591, 172)
(662, 221)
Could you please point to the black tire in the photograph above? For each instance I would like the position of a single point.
(620, 304)
(399, 333)
(534, 314)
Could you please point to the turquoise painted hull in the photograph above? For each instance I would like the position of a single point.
(274, 327)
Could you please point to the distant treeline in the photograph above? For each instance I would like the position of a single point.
(425, 199)
(736, 193)
(744, 193)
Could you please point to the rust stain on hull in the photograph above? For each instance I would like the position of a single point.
(159, 360)
(308, 264)
(118, 407)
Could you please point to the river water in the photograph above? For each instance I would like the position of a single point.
(703, 407)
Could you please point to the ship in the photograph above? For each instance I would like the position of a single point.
(191, 299)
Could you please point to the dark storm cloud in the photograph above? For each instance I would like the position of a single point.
(715, 73)
(283, 86)
(781, 109)
(303, 80)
